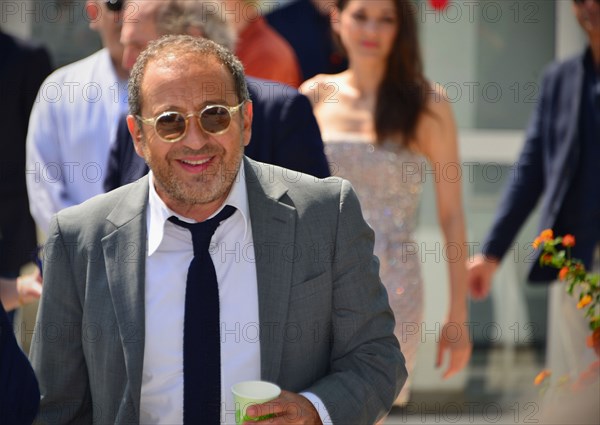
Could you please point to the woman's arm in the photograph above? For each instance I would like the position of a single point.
(437, 140)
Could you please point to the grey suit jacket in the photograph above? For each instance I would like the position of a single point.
(326, 326)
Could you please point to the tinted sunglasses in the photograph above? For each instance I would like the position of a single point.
(583, 1)
(114, 5)
(171, 126)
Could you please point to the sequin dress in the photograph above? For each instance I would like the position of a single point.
(388, 180)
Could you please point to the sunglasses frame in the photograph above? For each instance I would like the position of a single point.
(153, 120)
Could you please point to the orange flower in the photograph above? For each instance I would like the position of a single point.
(547, 259)
(541, 377)
(562, 274)
(536, 242)
(584, 301)
(547, 235)
(568, 240)
(593, 341)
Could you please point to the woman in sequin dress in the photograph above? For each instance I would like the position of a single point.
(383, 124)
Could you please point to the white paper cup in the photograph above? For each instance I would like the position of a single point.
(247, 393)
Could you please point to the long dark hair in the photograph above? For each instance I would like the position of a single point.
(402, 94)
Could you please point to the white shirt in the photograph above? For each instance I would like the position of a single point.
(170, 252)
(72, 126)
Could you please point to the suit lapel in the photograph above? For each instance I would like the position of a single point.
(125, 259)
(273, 226)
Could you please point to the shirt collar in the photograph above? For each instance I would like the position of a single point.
(159, 213)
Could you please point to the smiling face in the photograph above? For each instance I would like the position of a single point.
(194, 175)
(367, 28)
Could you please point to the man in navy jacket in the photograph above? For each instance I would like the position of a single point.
(559, 164)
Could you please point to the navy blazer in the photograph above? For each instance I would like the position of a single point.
(546, 168)
(23, 68)
(284, 132)
(19, 391)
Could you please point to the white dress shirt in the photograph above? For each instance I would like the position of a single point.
(72, 126)
(170, 252)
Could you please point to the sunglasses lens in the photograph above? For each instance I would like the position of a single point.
(215, 119)
(170, 125)
(114, 5)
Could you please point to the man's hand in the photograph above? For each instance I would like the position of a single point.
(480, 270)
(15, 293)
(29, 287)
(289, 408)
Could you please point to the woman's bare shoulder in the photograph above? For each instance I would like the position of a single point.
(436, 125)
(321, 87)
(321, 79)
(437, 101)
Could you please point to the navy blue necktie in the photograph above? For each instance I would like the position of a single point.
(201, 328)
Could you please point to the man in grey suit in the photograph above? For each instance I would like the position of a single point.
(300, 300)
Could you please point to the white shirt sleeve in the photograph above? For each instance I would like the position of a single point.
(44, 170)
(320, 406)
